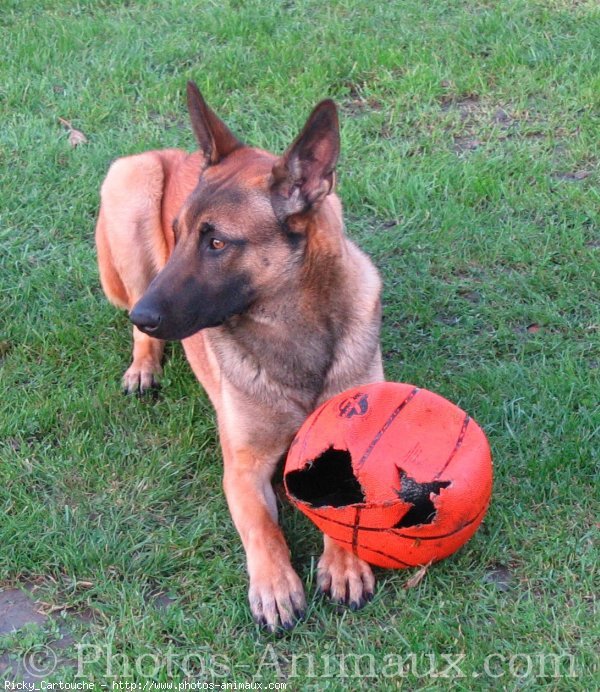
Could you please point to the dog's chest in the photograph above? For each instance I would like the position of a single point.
(278, 366)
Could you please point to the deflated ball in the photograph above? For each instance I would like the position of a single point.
(398, 475)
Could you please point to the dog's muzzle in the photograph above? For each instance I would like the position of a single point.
(145, 318)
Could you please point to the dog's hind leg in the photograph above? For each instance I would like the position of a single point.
(132, 248)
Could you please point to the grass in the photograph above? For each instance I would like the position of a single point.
(470, 174)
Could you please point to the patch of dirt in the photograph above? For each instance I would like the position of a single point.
(356, 102)
(169, 121)
(501, 117)
(472, 296)
(447, 319)
(358, 106)
(5, 348)
(17, 610)
(466, 104)
(500, 576)
(481, 122)
(162, 601)
(462, 144)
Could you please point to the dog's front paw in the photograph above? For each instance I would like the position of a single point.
(346, 578)
(277, 597)
(141, 376)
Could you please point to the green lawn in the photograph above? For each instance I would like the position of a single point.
(469, 172)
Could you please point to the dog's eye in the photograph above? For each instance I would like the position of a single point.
(216, 244)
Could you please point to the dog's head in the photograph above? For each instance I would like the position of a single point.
(241, 235)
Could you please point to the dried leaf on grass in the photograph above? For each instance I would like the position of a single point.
(417, 577)
(572, 175)
(49, 608)
(76, 137)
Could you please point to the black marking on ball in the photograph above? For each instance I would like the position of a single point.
(356, 528)
(355, 405)
(457, 446)
(327, 481)
(423, 510)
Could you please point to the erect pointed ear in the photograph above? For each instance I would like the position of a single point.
(305, 174)
(214, 137)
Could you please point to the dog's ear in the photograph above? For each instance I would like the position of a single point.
(305, 174)
(214, 137)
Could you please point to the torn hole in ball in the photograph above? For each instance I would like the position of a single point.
(327, 481)
(423, 511)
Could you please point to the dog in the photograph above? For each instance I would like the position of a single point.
(241, 255)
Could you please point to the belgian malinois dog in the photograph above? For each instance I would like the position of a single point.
(241, 255)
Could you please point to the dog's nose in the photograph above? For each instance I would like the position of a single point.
(145, 318)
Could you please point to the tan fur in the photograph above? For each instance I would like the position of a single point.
(247, 366)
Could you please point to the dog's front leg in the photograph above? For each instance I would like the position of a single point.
(276, 593)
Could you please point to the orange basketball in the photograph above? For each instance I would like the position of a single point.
(396, 474)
